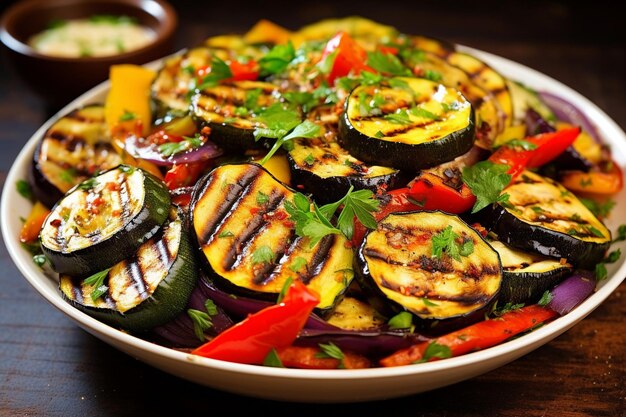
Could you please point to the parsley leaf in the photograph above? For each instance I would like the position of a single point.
(507, 308)
(331, 351)
(277, 59)
(600, 210)
(519, 143)
(360, 203)
(24, 189)
(601, 272)
(399, 117)
(621, 233)
(435, 350)
(402, 320)
(88, 184)
(273, 360)
(487, 180)
(172, 148)
(423, 113)
(225, 233)
(297, 264)
(433, 75)
(219, 71)
(262, 198)
(97, 281)
(304, 99)
(545, 298)
(127, 116)
(211, 308)
(263, 255)
(201, 322)
(445, 241)
(386, 63)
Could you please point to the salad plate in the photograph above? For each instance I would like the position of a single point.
(320, 385)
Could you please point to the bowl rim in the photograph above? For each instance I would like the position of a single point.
(164, 30)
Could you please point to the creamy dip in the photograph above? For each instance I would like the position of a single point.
(92, 37)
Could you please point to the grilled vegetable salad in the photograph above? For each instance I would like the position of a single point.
(342, 196)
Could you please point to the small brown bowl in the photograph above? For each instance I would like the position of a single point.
(60, 79)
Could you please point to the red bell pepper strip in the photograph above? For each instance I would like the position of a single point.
(349, 57)
(274, 327)
(244, 72)
(607, 182)
(183, 175)
(547, 147)
(478, 336)
(394, 201)
(308, 358)
(430, 190)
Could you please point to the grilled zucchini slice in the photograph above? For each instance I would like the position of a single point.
(543, 217)
(327, 171)
(396, 264)
(72, 150)
(416, 124)
(248, 244)
(103, 219)
(526, 276)
(523, 99)
(147, 289)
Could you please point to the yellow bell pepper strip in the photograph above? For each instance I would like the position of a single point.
(34, 221)
(265, 31)
(128, 101)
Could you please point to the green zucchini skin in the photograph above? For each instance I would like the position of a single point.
(526, 276)
(230, 228)
(436, 148)
(423, 291)
(547, 232)
(126, 239)
(337, 176)
(167, 301)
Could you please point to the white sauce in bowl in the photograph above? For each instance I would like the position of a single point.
(92, 37)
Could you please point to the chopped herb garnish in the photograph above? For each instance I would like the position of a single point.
(24, 189)
(446, 240)
(297, 264)
(435, 350)
(284, 289)
(386, 63)
(173, 148)
(428, 303)
(400, 117)
(537, 209)
(545, 298)
(127, 116)
(251, 101)
(507, 308)
(88, 184)
(402, 320)
(520, 144)
(621, 233)
(201, 322)
(225, 233)
(68, 175)
(347, 83)
(487, 180)
(601, 272)
(331, 351)
(575, 217)
(97, 282)
(613, 256)
(219, 71)
(273, 360)
(600, 210)
(309, 160)
(433, 75)
(467, 248)
(304, 99)
(262, 198)
(448, 107)
(594, 231)
(188, 69)
(277, 59)
(423, 113)
(263, 255)
(211, 308)
(379, 135)
(585, 182)
(241, 111)
(39, 260)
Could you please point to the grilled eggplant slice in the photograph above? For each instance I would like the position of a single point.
(248, 244)
(526, 276)
(327, 171)
(217, 107)
(395, 263)
(543, 217)
(103, 219)
(72, 150)
(145, 290)
(416, 124)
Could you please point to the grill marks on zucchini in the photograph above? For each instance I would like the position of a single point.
(397, 266)
(418, 125)
(327, 170)
(145, 290)
(72, 150)
(103, 219)
(544, 218)
(249, 244)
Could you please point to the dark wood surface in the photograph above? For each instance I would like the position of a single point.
(50, 367)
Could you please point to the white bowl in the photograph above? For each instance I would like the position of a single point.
(320, 385)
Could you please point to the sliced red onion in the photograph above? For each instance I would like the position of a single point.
(372, 343)
(149, 151)
(535, 124)
(571, 292)
(568, 112)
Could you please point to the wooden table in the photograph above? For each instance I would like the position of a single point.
(48, 366)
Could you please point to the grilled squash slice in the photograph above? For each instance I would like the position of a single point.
(411, 124)
(396, 263)
(248, 244)
(147, 289)
(543, 217)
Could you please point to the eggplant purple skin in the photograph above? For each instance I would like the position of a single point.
(528, 287)
(331, 189)
(404, 156)
(43, 189)
(527, 237)
(234, 139)
(387, 307)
